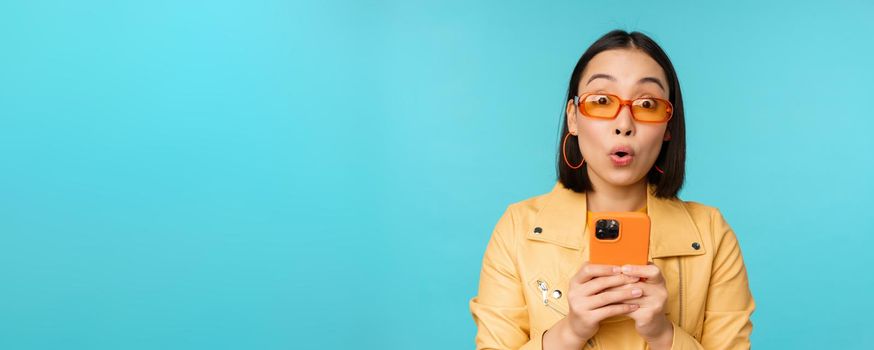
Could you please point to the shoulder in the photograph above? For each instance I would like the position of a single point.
(527, 208)
(519, 215)
(703, 212)
(530, 205)
(710, 221)
(700, 211)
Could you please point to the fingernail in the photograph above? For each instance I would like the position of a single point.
(616, 269)
(633, 306)
(626, 269)
(636, 292)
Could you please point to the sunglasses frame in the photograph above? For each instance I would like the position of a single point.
(670, 108)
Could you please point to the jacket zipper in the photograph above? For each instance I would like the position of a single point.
(680, 262)
(544, 293)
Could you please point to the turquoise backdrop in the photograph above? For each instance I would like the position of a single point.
(303, 175)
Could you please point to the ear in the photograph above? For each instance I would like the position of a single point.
(570, 111)
(667, 136)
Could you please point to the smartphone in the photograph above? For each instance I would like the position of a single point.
(618, 238)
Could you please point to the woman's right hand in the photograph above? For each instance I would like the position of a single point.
(589, 303)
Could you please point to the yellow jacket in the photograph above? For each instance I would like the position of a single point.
(540, 242)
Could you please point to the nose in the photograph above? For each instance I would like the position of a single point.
(624, 122)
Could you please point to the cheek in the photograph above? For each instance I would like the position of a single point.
(591, 139)
(652, 143)
(594, 138)
(652, 138)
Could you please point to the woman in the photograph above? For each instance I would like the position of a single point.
(537, 291)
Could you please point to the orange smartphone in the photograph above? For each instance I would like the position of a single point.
(618, 238)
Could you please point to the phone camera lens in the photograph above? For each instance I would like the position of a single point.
(607, 229)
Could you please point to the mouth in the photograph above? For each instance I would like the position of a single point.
(622, 156)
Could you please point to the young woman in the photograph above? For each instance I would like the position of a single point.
(622, 149)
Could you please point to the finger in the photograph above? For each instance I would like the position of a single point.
(630, 285)
(651, 293)
(589, 271)
(607, 298)
(650, 272)
(598, 284)
(614, 310)
(643, 301)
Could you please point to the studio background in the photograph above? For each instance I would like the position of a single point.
(300, 175)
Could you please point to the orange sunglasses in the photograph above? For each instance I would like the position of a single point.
(607, 106)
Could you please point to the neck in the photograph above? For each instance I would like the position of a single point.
(608, 197)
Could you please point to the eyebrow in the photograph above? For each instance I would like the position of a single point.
(642, 80)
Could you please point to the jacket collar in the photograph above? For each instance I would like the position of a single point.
(562, 221)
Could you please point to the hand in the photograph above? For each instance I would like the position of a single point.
(589, 302)
(649, 319)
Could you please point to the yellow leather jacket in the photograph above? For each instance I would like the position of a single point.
(539, 243)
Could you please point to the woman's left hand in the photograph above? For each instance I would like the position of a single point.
(649, 319)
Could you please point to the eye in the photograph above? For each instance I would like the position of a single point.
(647, 103)
(602, 100)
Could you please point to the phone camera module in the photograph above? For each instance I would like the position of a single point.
(607, 229)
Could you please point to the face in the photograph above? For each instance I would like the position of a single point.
(629, 74)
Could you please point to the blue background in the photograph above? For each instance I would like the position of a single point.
(275, 175)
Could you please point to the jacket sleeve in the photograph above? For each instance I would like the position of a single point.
(499, 309)
(730, 303)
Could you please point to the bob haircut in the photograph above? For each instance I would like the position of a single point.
(671, 158)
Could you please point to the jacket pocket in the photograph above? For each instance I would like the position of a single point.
(549, 294)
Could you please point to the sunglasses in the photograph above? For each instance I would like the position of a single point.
(607, 106)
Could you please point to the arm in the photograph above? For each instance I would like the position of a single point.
(499, 310)
(730, 303)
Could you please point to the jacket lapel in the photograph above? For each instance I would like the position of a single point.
(562, 221)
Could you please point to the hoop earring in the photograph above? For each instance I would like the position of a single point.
(564, 154)
(659, 170)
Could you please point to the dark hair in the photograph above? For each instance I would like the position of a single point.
(671, 159)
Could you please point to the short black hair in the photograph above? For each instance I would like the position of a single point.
(671, 159)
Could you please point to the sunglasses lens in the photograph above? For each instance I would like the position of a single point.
(600, 106)
(650, 109)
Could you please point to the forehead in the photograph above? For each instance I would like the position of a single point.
(627, 65)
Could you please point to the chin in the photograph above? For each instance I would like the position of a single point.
(623, 176)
